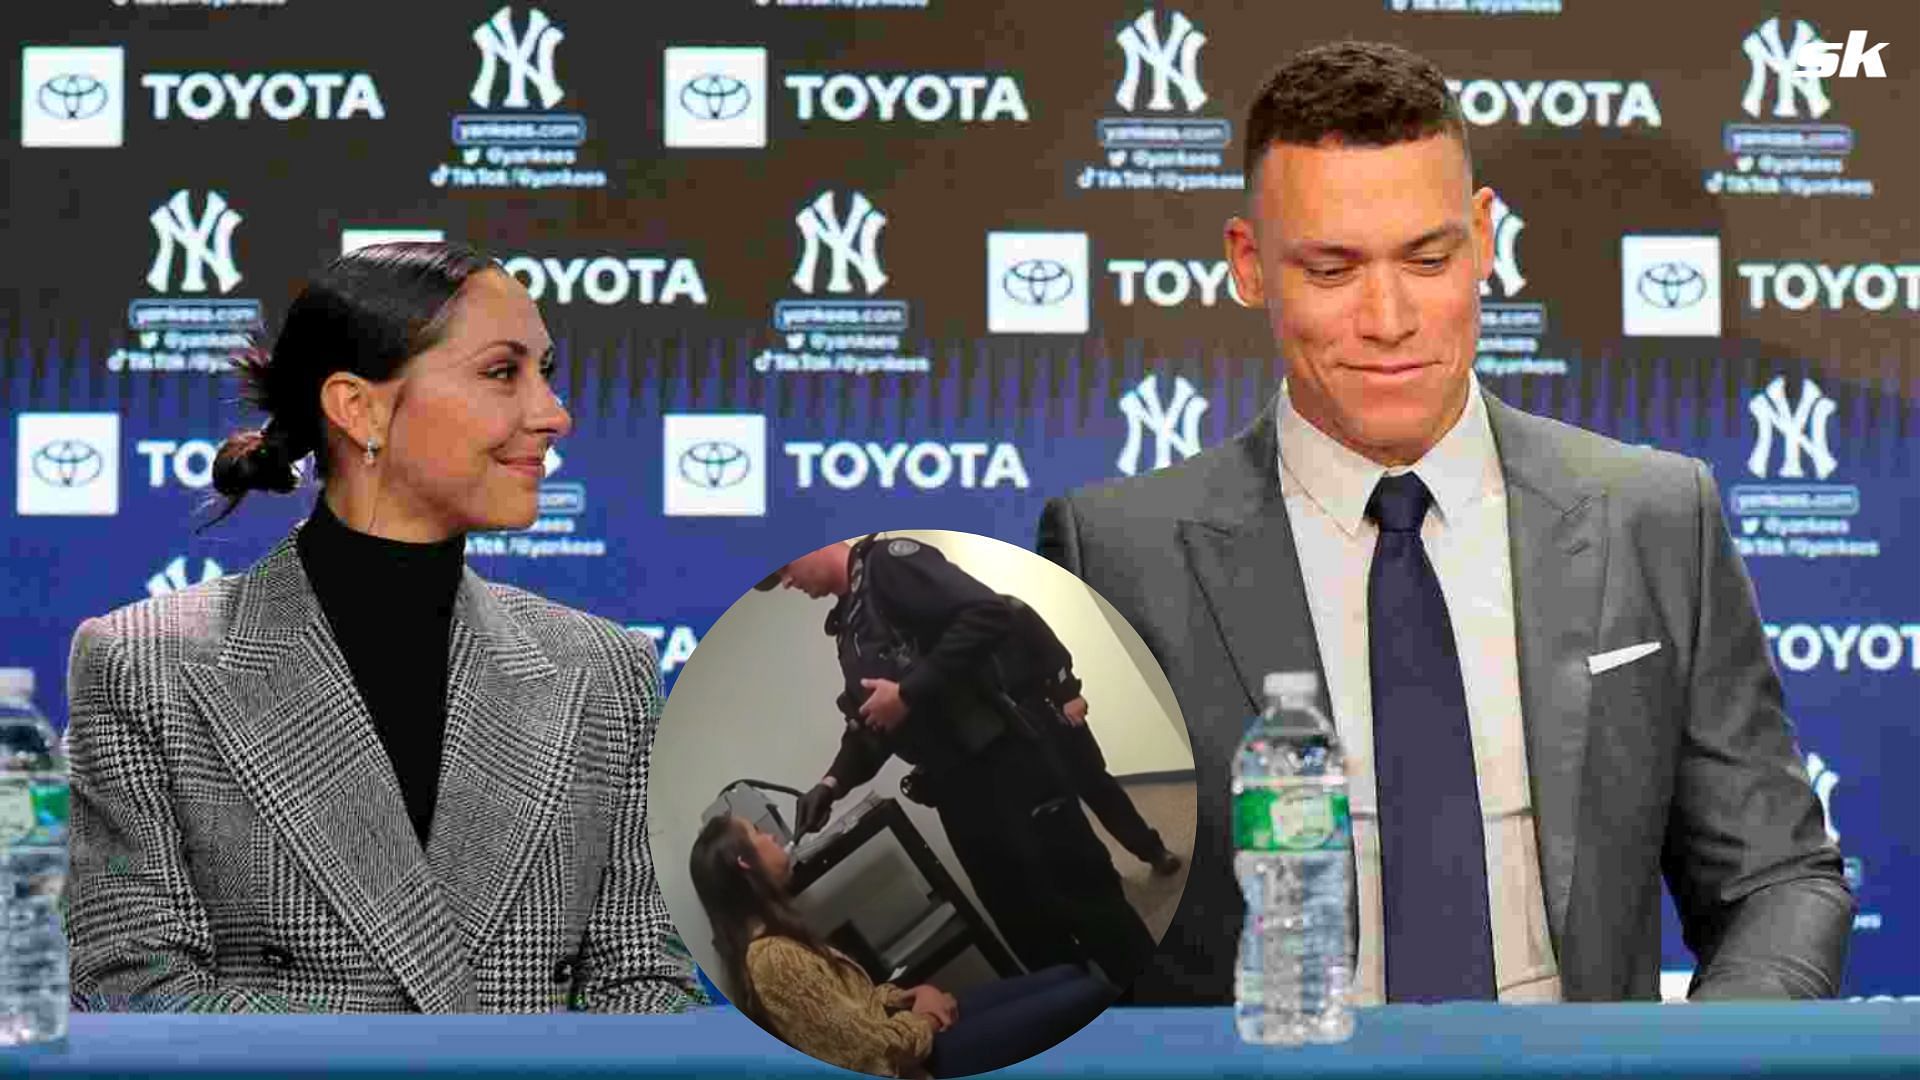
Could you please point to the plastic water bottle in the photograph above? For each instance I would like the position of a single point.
(33, 868)
(1293, 841)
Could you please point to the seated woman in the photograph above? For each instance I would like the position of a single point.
(358, 777)
(818, 1001)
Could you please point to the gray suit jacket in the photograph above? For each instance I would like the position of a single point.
(240, 843)
(1682, 762)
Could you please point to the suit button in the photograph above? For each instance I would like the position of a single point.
(563, 971)
(276, 957)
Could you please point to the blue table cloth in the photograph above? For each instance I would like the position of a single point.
(1813, 1039)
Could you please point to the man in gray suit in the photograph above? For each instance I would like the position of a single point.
(1537, 643)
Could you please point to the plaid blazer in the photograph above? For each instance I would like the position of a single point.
(240, 843)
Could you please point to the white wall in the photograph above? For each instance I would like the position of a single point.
(756, 700)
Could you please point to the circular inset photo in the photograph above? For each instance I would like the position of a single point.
(922, 804)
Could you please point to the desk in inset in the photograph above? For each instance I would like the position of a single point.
(949, 925)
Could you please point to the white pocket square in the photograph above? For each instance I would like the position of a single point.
(1607, 661)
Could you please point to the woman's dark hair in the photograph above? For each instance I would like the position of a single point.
(1361, 93)
(367, 313)
(741, 904)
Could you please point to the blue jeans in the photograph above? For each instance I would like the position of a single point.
(1009, 1020)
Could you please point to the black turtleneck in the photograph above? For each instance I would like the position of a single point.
(390, 605)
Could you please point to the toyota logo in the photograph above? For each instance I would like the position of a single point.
(67, 463)
(1671, 285)
(1039, 282)
(72, 96)
(715, 97)
(714, 465)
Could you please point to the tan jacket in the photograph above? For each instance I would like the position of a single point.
(835, 1012)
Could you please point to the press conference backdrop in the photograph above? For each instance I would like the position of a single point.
(819, 267)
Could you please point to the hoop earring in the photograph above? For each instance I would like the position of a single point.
(373, 447)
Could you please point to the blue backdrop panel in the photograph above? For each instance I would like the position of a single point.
(1696, 249)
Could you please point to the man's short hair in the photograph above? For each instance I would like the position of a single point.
(1360, 93)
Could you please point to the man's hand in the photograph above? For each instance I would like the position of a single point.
(1075, 712)
(936, 1004)
(814, 809)
(883, 710)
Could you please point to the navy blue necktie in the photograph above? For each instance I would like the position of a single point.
(1433, 866)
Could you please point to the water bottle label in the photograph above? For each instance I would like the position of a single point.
(1292, 818)
(50, 802)
(32, 811)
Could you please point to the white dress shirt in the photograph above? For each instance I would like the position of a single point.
(1326, 487)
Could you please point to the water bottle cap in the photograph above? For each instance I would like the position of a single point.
(16, 683)
(1292, 684)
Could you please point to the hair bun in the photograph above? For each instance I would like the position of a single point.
(253, 460)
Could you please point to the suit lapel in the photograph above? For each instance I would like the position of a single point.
(1556, 532)
(513, 721)
(1242, 555)
(1250, 577)
(297, 737)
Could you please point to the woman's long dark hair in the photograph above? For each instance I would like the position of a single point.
(367, 313)
(743, 903)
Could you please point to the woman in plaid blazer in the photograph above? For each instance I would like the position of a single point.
(358, 777)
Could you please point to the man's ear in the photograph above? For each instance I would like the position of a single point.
(1243, 260)
(1482, 215)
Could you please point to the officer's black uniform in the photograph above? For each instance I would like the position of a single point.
(911, 616)
(1038, 672)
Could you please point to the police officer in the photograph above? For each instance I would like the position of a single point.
(1037, 670)
(916, 638)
